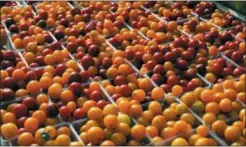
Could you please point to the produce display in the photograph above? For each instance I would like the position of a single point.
(166, 73)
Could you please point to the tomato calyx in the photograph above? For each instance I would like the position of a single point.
(45, 136)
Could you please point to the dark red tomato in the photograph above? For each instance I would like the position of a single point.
(20, 122)
(238, 71)
(173, 80)
(76, 88)
(60, 104)
(96, 95)
(191, 86)
(30, 75)
(116, 96)
(102, 103)
(60, 69)
(39, 72)
(217, 68)
(166, 87)
(52, 110)
(79, 113)
(125, 90)
(30, 102)
(158, 79)
(159, 69)
(20, 110)
(120, 80)
(87, 92)
(7, 94)
(151, 64)
(64, 111)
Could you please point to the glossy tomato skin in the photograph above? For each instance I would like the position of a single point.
(52, 110)
(7, 94)
(96, 95)
(102, 103)
(79, 113)
(20, 122)
(65, 112)
(125, 90)
(20, 110)
(9, 130)
(30, 102)
(84, 75)
(76, 88)
(173, 80)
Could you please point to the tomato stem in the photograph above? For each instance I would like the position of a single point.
(45, 136)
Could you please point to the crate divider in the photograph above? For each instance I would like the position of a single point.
(185, 33)
(70, 5)
(106, 94)
(209, 84)
(11, 45)
(218, 139)
(229, 60)
(146, 9)
(19, 3)
(243, 104)
(76, 5)
(13, 141)
(18, 99)
(75, 133)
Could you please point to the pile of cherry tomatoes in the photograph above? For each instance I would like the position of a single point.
(121, 73)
